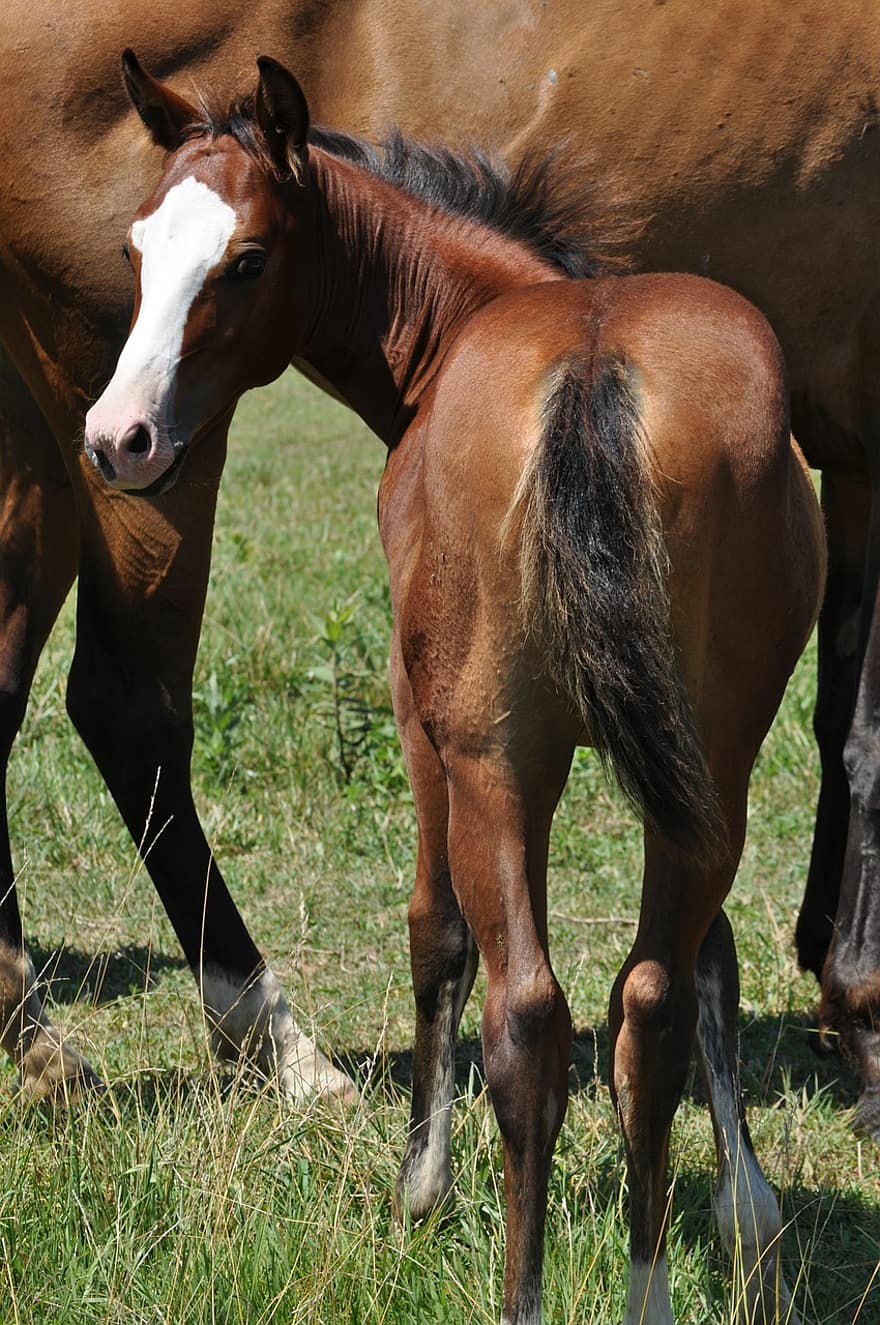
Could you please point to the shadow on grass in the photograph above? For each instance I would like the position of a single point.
(777, 1052)
(157, 1091)
(776, 1055)
(830, 1245)
(100, 977)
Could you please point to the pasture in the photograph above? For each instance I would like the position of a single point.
(189, 1195)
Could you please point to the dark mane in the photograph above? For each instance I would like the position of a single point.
(541, 202)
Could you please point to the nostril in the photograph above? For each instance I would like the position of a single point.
(137, 442)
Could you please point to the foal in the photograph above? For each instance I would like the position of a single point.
(598, 532)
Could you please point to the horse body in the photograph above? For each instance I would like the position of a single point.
(731, 493)
(489, 740)
(586, 483)
(747, 146)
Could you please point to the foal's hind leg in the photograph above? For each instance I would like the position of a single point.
(499, 823)
(37, 564)
(683, 951)
(444, 962)
(652, 1019)
(745, 1205)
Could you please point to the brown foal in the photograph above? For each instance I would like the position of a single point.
(598, 531)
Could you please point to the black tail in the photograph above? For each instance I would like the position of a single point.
(594, 582)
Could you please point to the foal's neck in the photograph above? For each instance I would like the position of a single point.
(399, 281)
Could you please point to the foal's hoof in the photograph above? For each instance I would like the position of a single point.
(418, 1195)
(51, 1073)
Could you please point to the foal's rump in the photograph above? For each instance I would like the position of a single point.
(629, 504)
(741, 527)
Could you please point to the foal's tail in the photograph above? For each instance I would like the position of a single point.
(594, 588)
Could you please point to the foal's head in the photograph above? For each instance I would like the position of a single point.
(214, 274)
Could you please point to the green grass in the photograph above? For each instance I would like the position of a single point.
(183, 1196)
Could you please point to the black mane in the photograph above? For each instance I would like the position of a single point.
(538, 203)
(541, 203)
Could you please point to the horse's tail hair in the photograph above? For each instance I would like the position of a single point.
(594, 575)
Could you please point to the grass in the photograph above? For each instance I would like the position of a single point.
(184, 1196)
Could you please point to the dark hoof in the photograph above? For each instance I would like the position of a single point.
(867, 1114)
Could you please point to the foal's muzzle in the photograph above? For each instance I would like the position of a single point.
(130, 452)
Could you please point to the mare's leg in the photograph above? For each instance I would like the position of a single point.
(38, 550)
(444, 962)
(851, 975)
(500, 809)
(846, 505)
(143, 578)
(745, 1205)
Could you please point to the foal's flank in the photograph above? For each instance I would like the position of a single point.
(598, 531)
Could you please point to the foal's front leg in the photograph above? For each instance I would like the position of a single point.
(444, 962)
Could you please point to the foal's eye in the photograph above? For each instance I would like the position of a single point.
(126, 253)
(249, 267)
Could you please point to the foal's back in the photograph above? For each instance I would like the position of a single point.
(707, 377)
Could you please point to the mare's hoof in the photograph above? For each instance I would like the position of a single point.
(867, 1115)
(53, 1074)
(312, 1076)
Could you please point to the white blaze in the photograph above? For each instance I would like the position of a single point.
(179, 243)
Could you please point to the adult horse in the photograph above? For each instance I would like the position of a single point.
(748, 144)
(580, 472)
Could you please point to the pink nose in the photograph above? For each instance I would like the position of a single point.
(126, 452)
(118, 454)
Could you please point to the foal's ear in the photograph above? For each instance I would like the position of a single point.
(283, 117)
(165, 114)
